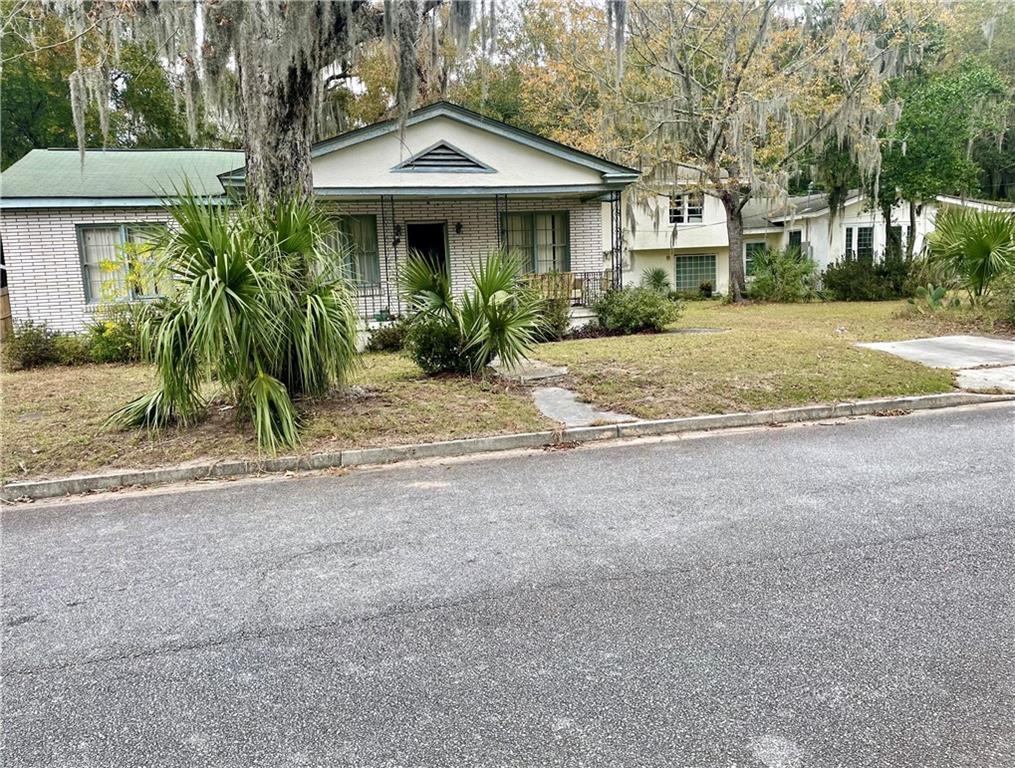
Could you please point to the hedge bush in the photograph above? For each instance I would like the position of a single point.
(555, 319)
(435, 344)
(389, 337)
(635, 310)
(73, 349)
(855, 280)
(31, 345)
(1002, 297)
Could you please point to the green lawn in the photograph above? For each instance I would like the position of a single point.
(52, 417)
(770, 356)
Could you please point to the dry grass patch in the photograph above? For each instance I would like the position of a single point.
(52, 418)
(771, 356)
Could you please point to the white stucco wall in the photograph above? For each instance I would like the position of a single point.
(370, 163)
(828, 246)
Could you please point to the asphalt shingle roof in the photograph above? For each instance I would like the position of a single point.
(115, 173)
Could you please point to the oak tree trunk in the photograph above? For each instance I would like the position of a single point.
(733, 205)
(911, 235)
(278, 125)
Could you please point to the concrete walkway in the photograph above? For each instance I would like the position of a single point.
(529, 371)
(564, 406)
(983, 363)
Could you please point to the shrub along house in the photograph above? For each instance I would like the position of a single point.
(450, 184)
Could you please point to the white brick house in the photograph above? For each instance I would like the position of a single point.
(451, 184)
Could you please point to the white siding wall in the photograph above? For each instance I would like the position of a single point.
(44, 266)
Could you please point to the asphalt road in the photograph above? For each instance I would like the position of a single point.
(816, 596)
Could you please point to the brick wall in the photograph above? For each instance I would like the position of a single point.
(44, 266)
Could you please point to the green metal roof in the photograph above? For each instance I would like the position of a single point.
(116, 174)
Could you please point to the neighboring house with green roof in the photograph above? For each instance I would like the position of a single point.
(451, 183)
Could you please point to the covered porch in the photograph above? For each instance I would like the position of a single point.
(559, 240)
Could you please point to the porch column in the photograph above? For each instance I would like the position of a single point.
(616, 241)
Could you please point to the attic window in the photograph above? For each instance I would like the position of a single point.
(443, 157)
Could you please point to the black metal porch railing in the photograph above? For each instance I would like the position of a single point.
(580, 289)
(376, 303)
(379, 303)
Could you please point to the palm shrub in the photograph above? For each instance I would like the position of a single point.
(258, 303)
(784, 276)
(976, 246)
(656, 279)
(496, 317)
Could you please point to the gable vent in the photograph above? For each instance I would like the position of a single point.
(442, 157)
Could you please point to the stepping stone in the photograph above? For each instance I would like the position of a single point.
(529, 371)
(564, 406)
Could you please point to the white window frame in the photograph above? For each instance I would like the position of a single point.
(124, 236)
(687, 208)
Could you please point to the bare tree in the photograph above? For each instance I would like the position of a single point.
(727, 96)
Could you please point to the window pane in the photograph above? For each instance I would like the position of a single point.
(358, 234)
(140, 259)
(695, 206)
(676, 209)
(519, 237)
(750, 250)
(865, 243)
(849, 242)
(551, 242)
(105, 276)
(692, 271)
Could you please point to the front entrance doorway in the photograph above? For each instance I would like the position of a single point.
(431, 241)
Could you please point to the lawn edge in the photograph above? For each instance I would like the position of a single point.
(354, 457)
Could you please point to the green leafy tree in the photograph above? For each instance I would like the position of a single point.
(927, 152)
(144, 105)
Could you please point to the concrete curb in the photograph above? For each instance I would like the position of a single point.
(40, 489)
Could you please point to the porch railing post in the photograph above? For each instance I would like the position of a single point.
(616, 241)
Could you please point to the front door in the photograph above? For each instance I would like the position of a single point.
(430, 240)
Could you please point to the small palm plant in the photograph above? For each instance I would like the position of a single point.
(976, 246)
(496, 318)
(257, 302)
(656, 279)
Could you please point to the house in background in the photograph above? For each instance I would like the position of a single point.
(450, 183)
(685, 234)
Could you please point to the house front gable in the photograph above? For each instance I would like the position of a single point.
(449, 151)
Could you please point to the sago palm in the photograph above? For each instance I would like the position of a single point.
(257, 302)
